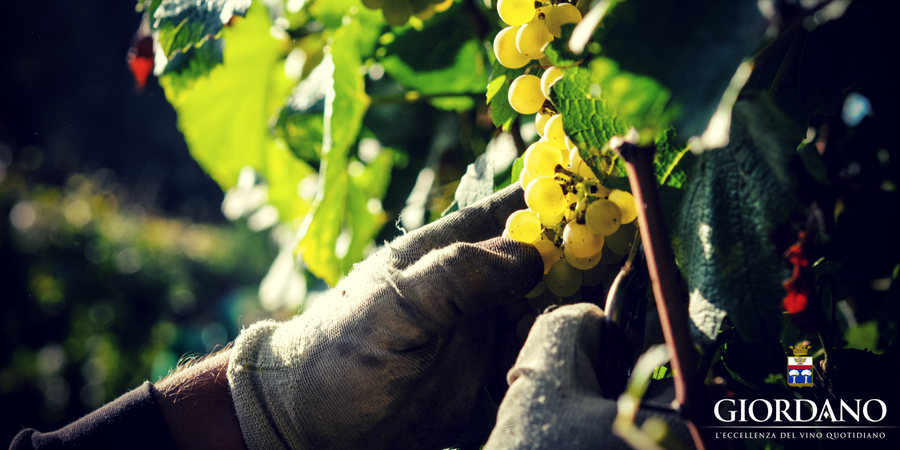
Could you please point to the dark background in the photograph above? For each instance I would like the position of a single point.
(81, 321)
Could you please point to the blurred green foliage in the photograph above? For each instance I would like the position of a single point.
(101, 293)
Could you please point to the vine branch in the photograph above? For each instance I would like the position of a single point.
(689, 391)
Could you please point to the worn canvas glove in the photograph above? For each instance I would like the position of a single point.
(398, 353)
(554, 399)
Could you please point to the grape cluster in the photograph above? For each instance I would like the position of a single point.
(398, 12)
(572, 219)
(578, 225)
(532, 25)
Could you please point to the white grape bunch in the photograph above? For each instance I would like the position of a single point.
(579, 226)
(572, 220)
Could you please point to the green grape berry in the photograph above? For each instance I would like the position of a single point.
(505, 49)
(524, 226)
(560, 15)
(562, 279)
(620, 241)
(553, 132)
(532, 37)
(625, 202)
(525, 94)
(581, 241)
(541, 159)
(545, 196)
(516, 12)
(603, 217)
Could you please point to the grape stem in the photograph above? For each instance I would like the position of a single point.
(690, 394)
(574, 176)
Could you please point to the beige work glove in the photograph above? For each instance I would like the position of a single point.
(555, 400)
(399, 351)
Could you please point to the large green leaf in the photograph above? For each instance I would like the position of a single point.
(224, 116)
(690, 47)
(600, 101)
(345, 105)
(734, 201)
(184, 24)
(444, 57)
(810, 72)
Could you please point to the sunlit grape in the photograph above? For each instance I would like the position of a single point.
(532, 37)
(524, 226)
(625, 202)
(603, 217)
(581, 241)
(541, 159)
(505, 49)
(525, 94)
(545, 196)
(551, 220)
(560, 15)
(516, 12)
(553, 131)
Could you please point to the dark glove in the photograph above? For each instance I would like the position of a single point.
(398, 353)
(555, 399)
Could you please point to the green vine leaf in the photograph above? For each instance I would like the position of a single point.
(224, 116)
(184, 24)
(600, 101)
(345, 104)
(444, 57)
(667, 164)
(733, 202)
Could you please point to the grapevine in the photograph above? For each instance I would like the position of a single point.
(572, 219)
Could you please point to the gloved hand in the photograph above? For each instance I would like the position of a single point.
(399, 351)
(555, 398)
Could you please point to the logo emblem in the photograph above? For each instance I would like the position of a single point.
(800, 367)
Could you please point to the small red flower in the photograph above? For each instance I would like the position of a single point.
(796, 300)
(140, 60)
